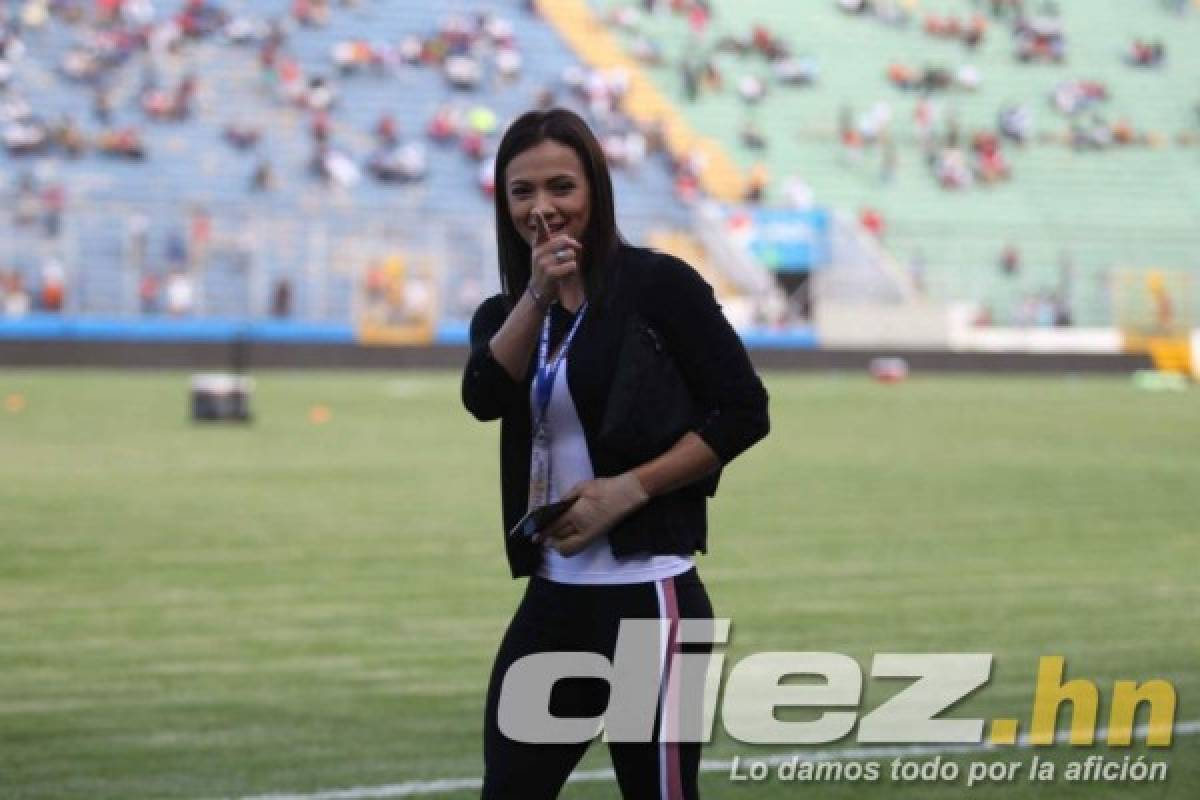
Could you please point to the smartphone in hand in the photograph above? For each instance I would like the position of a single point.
(540, 518)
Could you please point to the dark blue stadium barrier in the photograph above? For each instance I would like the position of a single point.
(796, 339)
(453, 333)
(456, 333)
(55, 327)
(801, 338)
(52, 327)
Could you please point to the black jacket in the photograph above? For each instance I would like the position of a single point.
(732, 402)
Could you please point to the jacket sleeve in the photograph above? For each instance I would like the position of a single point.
(711, 356)
(488, 391)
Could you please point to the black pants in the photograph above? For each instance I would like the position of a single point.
(563, 617)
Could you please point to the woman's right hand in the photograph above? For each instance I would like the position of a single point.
(548, 268)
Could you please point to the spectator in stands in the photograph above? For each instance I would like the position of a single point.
(320, 95)
(485, 176)
(752, 136)
(25, 209)
(321, 127)
(991, 165)
(200, 235)
(53, 288)
(443, 127)
(241, 136)
(687, 181)
(180, 294)
(924, 118)
(975, 32)
(613, 145)
(1092, 133)
(1040, 39)
(901, 76)
(756, 184)
(752, 89)
(889, 160)
(894, 13)
(1061, 310)
(68, 137)
(463, 72)
(102, 103)
(953, 169)
(546, 98)
(952, 129)
(137, 233)
(795, 71)
(767, 45)
(468, 295)
(848, 137)
(16, 298)
(1015, 123)
(1146, 54)
(1010, 260)
(1001, 9)
(635, 149)
(281, 298)
(263, 178)
(508, 64)
(1123, 132)
(917, 268)
(646, 51)
(968, 77)
(1065, 290)
(691, 80)
(387, 132)
(473, 145)
(798, 193)
(311, 13)
(54, 200)
(149, 289)
(876, 123)
(122, 143)
(943, 27)
(872, 222)
(26, 136)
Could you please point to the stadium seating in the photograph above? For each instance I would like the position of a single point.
(190, 165)
(1133, 207)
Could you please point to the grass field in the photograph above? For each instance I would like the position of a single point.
(199, 612)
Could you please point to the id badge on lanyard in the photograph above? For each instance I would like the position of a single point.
(540, 468)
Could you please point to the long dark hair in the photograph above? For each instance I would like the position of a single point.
(600, 240)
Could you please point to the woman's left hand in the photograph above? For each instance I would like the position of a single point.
(599, 505)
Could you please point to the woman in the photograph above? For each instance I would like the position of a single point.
(543, 355)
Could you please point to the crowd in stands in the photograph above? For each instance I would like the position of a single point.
(48, 294)
(37, 210)
(137, 61)
(955, 159)
(476, 54)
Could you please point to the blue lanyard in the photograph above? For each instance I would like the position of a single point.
(543, 385)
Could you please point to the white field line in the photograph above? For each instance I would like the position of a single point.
(425, 788)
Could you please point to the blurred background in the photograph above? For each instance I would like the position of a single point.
(961, 238)
(937, 175)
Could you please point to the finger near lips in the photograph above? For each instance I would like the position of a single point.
(542, 232)
(557, 242)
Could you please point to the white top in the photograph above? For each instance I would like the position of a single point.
(570, 463)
